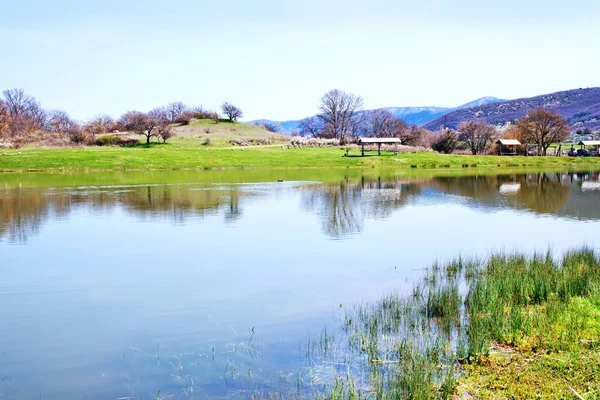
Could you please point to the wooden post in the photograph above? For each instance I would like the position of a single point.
(363, 148)
(378, 149)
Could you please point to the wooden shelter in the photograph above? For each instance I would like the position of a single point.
(504, 144)
(379, 142)
(590, 143)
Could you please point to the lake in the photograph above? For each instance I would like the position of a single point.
(212, 284)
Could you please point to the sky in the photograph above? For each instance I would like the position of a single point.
(275, 58)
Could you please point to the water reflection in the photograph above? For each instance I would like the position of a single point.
(342, 207)
(207, 290)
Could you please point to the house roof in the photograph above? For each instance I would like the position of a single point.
(508, 142)
(378, 140)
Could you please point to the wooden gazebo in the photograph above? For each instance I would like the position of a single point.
(379, 141)
(504, 144)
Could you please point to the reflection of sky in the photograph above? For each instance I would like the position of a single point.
(90, 301)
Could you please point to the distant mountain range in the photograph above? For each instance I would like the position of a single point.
(412, 115)
(580, 107)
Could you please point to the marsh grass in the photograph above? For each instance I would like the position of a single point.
(419, 346)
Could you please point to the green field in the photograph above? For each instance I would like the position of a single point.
(188, 150)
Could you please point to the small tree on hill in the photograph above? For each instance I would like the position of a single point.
(476, 135)
(543, 127)
(152, 124)
(232, 112)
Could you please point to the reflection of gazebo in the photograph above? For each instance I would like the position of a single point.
(379, 142)
(504, 146)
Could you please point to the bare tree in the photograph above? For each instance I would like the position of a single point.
(101, 123)
(382, 123)
(59, 121)
(18, 102)
(543, 127)
(149, 125)
(232, 112)
(339, 113)
(175, 110)
(311, 126)
(23, 111)
(476, 136)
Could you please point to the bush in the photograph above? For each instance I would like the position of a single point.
(239, 142)
(184, 118)
(313, 142)
(114, 140)
(80, 136)
(446, 143)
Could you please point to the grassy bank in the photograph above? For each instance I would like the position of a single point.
(191, 154)
(510, 327)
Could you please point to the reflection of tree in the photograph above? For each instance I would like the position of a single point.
(343, 207)
(541, 193)
(23, 211)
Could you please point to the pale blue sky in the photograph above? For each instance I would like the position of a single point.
(276, 58)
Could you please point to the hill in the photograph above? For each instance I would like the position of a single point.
(412, 115)
(581, 108)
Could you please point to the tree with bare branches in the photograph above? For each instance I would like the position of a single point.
(232, 112)
(543, 127)
(382, 123)
(476, 135)
(339, 113)
(152, 124)
(311, 126)
(175, 110)
(23, 112)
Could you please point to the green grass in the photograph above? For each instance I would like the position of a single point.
(191, 154)
(510, 327)
(188, 151)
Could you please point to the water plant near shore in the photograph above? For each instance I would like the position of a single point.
(417, 346)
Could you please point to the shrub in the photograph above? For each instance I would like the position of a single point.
(313, 142)
(446, 143)
(114, 140)
(184, 118)
(80, 136)
(239, 142)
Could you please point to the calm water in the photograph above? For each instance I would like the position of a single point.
(209, 285)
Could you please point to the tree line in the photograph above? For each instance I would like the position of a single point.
(341, 117)
(22, 116)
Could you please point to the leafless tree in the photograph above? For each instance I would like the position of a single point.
(382, 123)
(543, 127)
(59, 121)
(232, 112)
(339, 113)
(18, 102)
(311, 126)
(174, 110)
(23, 111)
(149, 125)
(271, 127)
(101, 123)
(476, 135)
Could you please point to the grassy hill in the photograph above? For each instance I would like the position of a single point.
(221, 133)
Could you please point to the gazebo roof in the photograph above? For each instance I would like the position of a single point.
(378, 140)
(589, 143)
(508, 142)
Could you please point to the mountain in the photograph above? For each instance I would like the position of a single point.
(412, 115)
(581, 108)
